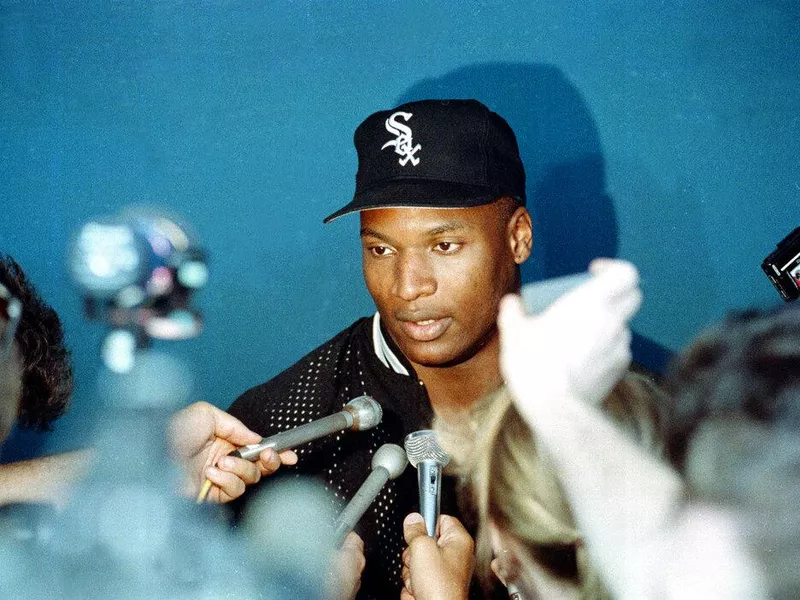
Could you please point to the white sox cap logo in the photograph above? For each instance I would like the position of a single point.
(403, 144)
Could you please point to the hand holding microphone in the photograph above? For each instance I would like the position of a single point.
(200, 437)
(436, 569)
(425, 453)
(359, 414)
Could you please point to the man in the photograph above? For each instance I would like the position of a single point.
(441, 193)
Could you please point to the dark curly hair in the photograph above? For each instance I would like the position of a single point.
(46, 367)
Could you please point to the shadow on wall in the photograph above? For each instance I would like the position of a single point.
(573, 216)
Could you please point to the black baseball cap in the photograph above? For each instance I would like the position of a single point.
(435, 154)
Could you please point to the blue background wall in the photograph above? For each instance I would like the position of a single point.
(665, 132)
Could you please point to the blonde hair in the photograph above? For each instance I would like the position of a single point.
(515, 486)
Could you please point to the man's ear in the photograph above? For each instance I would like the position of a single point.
(520, 235)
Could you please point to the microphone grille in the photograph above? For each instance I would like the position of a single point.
(367, 413)
(424, 445)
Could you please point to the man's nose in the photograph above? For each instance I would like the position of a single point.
(414, 277)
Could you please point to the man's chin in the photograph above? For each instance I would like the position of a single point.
(432, 357)
(419, 354)
(441, 354)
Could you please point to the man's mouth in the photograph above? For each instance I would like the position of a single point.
(425, 330)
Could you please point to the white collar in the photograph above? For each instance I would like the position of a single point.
(382, 349)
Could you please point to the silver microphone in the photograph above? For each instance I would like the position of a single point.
(359, 414)
(388, 462)
(425, 453)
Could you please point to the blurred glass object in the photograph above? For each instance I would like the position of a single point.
(138, 272)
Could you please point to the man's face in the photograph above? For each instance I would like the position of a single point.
(437, 276)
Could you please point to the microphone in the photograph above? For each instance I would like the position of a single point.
(359, 414)
(388, 462)
(425, 453)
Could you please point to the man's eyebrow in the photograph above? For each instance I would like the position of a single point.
(446, 227)
(449, 227)
(366, 231)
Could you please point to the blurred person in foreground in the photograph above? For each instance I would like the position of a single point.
(36, 384)
(35, 388)
(648, 533)
(734, 435)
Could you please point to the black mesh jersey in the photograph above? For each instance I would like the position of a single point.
(359, 360)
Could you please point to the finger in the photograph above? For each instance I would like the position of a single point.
(598, 265)
(269, 461)
(414, 528)
(232, 429)
(452, 532)
(620, 355)
(626, 305)
(405, 573)
(228, 486)
(352, 554)
(353, 543)
(623, 274)
(248, 472)
(498, 570)
(289, 457)
(603, 264)
(611, 276)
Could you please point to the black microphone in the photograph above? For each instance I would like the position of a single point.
(359, 414)
(388, 462)
(425, 453)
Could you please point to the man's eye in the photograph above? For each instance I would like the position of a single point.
(379, 250)
(447, 247)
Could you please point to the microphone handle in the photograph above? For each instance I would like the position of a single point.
(359, 504)
(292, 438)
(429, 474)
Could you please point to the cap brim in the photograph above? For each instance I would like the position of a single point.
(418, 194)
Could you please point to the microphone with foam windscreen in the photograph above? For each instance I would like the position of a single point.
(425, 453)
(359, 414)
(388, 462)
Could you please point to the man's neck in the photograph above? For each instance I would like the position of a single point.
(454, 390)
